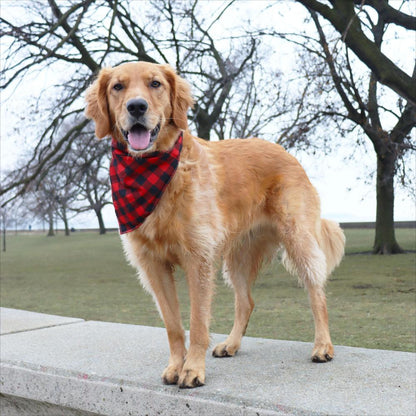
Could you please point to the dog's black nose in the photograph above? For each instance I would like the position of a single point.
(137, 107)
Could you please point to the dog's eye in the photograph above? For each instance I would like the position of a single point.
(118, 87)
(155, 84)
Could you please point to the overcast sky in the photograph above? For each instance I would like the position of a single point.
(346, 186)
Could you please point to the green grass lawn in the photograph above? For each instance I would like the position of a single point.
(371, 299)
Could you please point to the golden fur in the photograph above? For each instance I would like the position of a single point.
(241, 200)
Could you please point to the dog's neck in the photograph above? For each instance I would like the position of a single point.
(140, 179)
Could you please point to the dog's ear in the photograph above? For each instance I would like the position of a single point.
(97, 104)
(180, 97)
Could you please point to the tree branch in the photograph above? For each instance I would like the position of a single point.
(352, 112)
(390, 14)
(86, 57)
(41, 170)
(344, 19)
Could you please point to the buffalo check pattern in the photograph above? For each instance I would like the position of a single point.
(138, 183)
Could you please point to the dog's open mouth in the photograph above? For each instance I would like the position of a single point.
(140, 138)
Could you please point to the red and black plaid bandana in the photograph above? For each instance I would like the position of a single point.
(137, 183)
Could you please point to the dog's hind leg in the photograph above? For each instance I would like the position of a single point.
(243, 305)
(323, 349)
(304, 257)
(241, 265)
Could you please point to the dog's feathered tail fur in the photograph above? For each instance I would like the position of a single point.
(332, 243)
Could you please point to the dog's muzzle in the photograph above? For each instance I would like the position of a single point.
(140, 138)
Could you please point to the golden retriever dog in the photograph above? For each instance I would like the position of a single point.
(239, 201)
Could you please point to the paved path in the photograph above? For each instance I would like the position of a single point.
(64, 366)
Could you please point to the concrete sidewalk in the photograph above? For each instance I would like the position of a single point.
(64, 366)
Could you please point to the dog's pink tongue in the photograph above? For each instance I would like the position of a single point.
(139, 139)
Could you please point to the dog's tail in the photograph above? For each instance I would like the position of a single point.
(332, 243)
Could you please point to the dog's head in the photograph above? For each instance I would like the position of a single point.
(142, 104)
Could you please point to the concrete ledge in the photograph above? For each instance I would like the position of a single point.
(15, 320)
(84, 368)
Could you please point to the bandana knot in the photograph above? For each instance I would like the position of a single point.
(138, 183)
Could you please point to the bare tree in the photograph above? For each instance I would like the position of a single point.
(90, 161)
(354, 98)
(41, 203)
(10, 217)
(65, 193)
(51, 196)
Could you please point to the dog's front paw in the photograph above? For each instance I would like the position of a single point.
(171, 374)
(323, 353)
(225, 350)
(191, 378)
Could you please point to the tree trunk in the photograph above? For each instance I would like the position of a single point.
(203, 123)
(204, 128)
(50, 221)
(385, 239)
(65, 220)
(67, 233)
(100, 221)
(4, 235)
(204, 132)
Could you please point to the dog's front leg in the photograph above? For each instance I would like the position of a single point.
(200, 281)
(158, 278)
